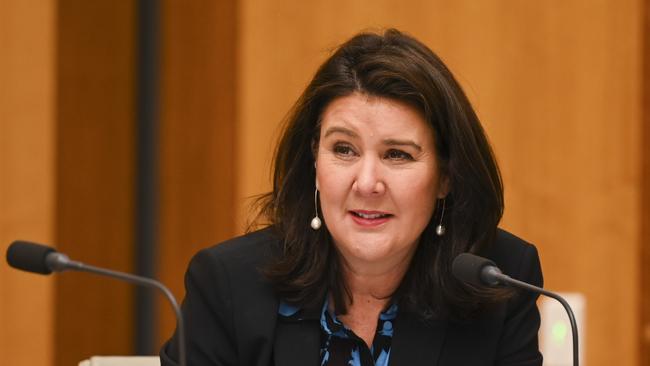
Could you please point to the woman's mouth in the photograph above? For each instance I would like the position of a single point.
(369, 218)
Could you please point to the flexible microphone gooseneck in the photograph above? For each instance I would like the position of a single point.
(481, 271)
(37, 258)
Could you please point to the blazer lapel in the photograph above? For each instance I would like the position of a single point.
(297, 343)
(416, 343)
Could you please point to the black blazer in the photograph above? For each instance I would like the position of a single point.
(231, 317)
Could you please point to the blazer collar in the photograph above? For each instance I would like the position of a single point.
(297, 336)
(415, 342)
(297, 343)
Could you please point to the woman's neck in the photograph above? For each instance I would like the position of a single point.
(372, 282)
(371, 290)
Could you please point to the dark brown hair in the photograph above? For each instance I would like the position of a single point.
(396, 66)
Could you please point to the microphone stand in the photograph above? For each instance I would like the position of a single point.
(495, 273)
(59, 262)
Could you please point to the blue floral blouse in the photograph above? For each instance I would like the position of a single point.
(341, 347)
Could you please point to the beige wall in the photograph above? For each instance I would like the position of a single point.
(26, 174)
(557, 85)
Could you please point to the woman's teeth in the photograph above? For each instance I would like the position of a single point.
(370, 216)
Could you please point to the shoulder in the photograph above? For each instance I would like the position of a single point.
(247, 251)
(262, 241)
(232, 280)
(507, 245)
(233, 270)
(229, 305)
(515, 257)
(504, 334)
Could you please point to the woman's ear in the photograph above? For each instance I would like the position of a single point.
(314, 151)
(314, 147)
(443, 186)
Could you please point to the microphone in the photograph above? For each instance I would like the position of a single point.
(37, 258)
(480, 271)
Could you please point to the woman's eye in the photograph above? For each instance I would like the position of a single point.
(343, 150)
(398, 155)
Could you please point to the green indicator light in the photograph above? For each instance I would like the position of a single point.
(559, 332)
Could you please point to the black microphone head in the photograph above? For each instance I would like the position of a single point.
(468, 268)
(29, 257)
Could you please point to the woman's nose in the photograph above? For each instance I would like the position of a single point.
(369, 180)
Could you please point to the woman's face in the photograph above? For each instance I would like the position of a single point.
(377, 174)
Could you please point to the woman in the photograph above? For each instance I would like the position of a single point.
(382, 177)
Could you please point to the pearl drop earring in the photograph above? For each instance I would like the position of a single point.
(316, 222)
(440, 229)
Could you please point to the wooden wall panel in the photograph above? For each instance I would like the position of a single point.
(573, 166)
(644, 331)
(557, 87)
(198, 123)
(27, 136)
(95, 167)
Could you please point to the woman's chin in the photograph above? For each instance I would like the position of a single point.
(374, 253)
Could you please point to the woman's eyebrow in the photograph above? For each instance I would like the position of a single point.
(343, 130)
(395, 142)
